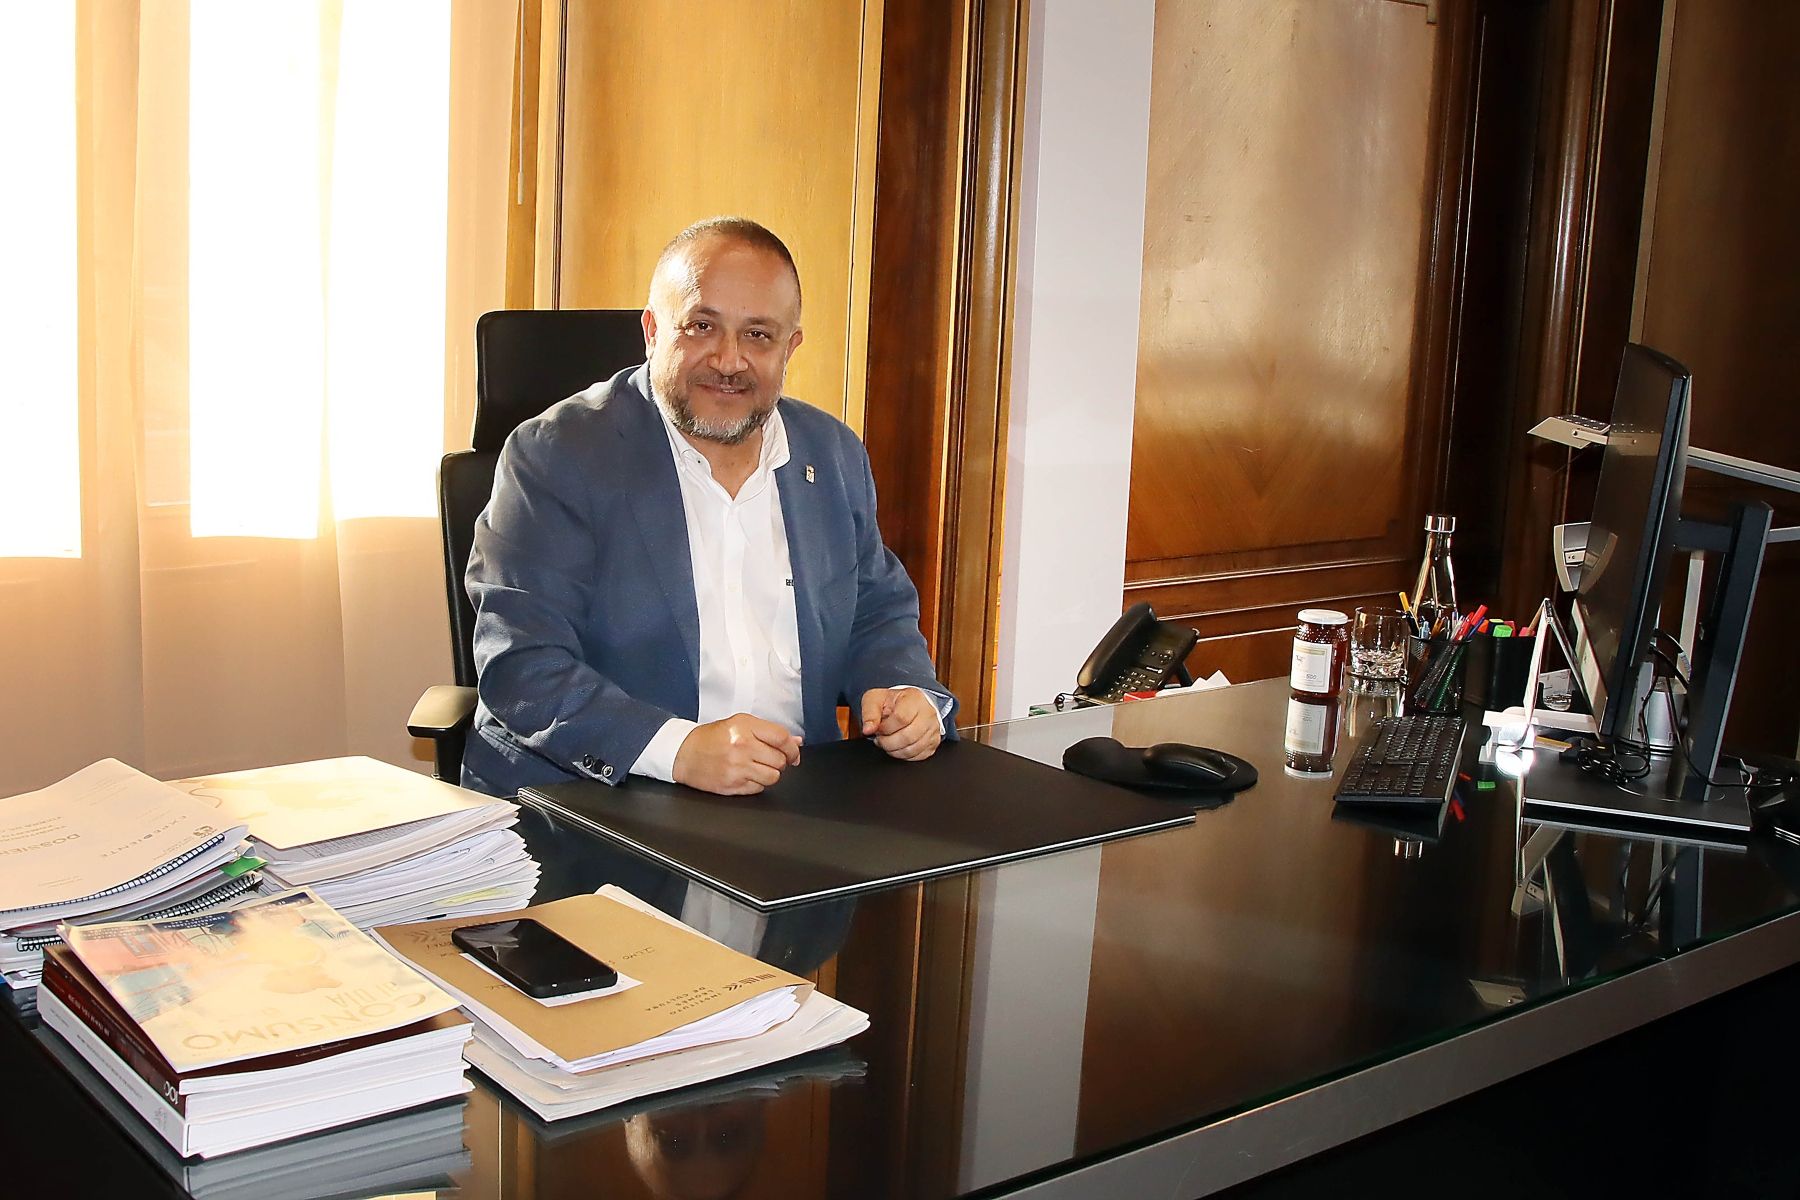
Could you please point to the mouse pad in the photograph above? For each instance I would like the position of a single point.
(1104, 758)
(849, 819)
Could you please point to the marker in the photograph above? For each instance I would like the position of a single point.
(1469, 622)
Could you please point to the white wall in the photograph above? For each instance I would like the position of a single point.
(1081, 228)
(1075, 328)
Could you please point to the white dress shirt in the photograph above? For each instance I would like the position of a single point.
(744, 590)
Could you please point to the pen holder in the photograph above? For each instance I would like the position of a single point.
(1435, 673)
(1495, 675)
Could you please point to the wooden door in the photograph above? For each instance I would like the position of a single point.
(1284, 448)
(674, 112)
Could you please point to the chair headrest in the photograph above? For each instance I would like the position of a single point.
(528, 359)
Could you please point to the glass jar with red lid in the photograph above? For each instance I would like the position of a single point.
(1321, 646)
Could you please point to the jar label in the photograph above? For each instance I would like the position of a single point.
(1305, 728)
(1312, 667)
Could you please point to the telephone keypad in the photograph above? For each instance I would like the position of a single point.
(1137, 679)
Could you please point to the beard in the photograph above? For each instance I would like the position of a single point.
(726, 432)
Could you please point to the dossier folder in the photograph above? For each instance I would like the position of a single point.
(849, 819)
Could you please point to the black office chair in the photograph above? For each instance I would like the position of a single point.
(525, 361)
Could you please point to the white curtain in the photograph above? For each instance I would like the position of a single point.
(287, 216)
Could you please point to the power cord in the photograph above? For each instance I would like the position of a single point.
(1618, 761)
(1749, 777)
(1625, 760)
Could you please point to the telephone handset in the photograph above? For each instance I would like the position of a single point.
(1138, 654)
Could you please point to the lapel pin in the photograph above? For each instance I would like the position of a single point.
(809, 473)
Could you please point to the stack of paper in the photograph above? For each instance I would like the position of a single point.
(251, 1025)
(686, 1010)
(379, 843)
(416, 1151)
(109, 843)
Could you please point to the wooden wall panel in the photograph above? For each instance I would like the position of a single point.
(1721, 286)
(1283, 448)
(672, 112)
(1722, 281)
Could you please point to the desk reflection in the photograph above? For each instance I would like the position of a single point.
(755, 1135)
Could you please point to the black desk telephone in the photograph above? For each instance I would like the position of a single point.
(1138, 654)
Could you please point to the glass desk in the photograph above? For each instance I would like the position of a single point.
(1165, 1015)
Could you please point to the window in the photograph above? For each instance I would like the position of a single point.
(40, 487)
(318, 190)
(292, 302)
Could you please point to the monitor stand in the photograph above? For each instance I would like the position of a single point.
(1665, 798)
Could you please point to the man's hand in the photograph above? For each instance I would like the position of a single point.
(738, 756)
(902, 722)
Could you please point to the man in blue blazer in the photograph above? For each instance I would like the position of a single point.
(679, 573)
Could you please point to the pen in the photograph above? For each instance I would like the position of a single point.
(1468, 623)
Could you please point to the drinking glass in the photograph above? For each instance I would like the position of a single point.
(1368, 700)
(1378, 643)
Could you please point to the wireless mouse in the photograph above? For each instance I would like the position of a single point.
(1195, 766)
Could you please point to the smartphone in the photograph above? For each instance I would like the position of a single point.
(538, 961)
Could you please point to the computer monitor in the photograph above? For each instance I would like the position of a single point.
(1637, 506)
(1636, 531)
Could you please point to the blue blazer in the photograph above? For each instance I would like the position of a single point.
(587, 633)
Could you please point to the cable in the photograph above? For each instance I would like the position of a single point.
(1622, 760)
(1673, 664)
(1750, 777)
(1610, 761)
(1674, 641)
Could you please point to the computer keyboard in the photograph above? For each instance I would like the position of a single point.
(1404, 760)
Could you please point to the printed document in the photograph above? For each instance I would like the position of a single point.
(74, 846)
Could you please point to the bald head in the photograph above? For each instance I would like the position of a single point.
(738, 229)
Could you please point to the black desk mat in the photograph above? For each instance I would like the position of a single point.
(849, 819)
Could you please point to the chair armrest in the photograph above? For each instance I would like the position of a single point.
(443, 709)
